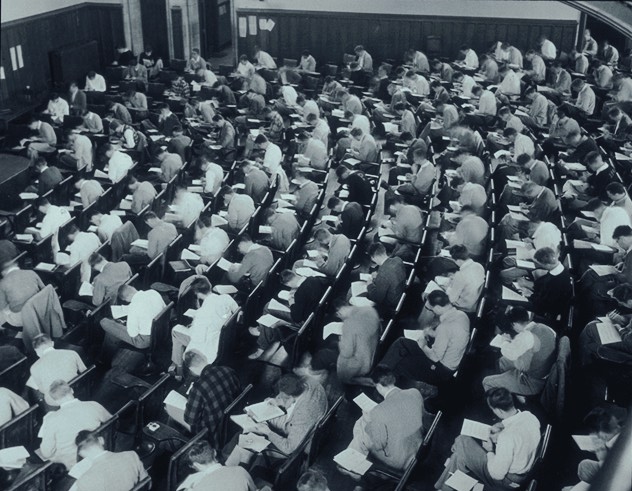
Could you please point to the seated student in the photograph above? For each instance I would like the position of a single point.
(54, 218)
(272, 163)
(136, 72)
(392, 431)
(119, 163)
(167, 121)
(136, 101)
(49, 177)
(434, 365)
(521, 143)
(143, 194)
(504, 461)
(11, 405)
(106, 224)
(358, 186)
(53, 364)
(469, 194)
(95, 82)
(471, 231)
(542, 207)
(284, 228)
(579, 147)
(16, 288)
(537, 116)
(213, 241)
(143, 307)
(405, 225)
(80, 156)
(179, 143)
(92, 122)
(594, 184)
(489, 69)
(604, 425)
(255, 180)
(108, 471)
(306, 193)
(351, 216)
(60, 428)
(360, 334)
(186, 206)
(422, 180)
(90, 190)
(204, 332)
(240, 208)
(170, 164)
(363, 146)
(77, 101)
(609, 218)
(8, 252)
(213, 389)
(304, 403)
(527, 354)
(57, 108)
(305, 294)
(213, 175)
(255, 265)
(81, 247)
(618, 197)
(336, 247)
(387, 284)
(312, 480)
(45, 140)
(110, 276)
(584, 105)
(158, 238)
(211, 475)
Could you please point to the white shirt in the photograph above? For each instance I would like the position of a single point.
(321, 131)
(471, 59)
(273, 156)
(265, 60)
(213, 178)
(548, 50)
(613, 216)
(310, 107)
(109, 223)
(82, 247)
(58, 109)
(189, 206)
(547, 234)
(245, 69)
(362, 122)
(82, 151)
(209, 78)
(118, 165)
(55, 217)
(523, 144)
(510, 84)
(213, 244)
(467, 85)
(487, 103)
(289, 95)
(208, 322)
(96, 85)
(143, 309)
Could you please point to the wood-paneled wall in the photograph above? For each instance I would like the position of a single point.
(329, 35)
(41, 34)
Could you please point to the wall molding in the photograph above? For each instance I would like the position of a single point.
(44, 15)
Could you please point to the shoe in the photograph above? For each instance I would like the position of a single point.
(254, 331)
(256, 354)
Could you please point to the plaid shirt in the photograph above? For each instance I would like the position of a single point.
(210, 394)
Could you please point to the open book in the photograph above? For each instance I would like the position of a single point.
(353, 461)
(264, 411)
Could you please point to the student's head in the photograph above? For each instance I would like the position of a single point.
(312, 480)
(261, 141)
(457, 183)
(459, 253)
(383, 378)
(530, 93)
(501, 402)
(622, 235)
(573, 138)
(195, 53)
(464, 48)
(41, 343)
(524, 159)
(290, 279)
(396, 204)
(577, 84)
(92, 74)
(290, 387)
(420, 152)
(245, 242)
(615, 114)
(593, 160)
(530, 189)
(406, 137)
(546, 258)
(201, 455)
(34, 122)
(438, 302)
(178, 131)
(615, 191)
(96, 217)
(126, 293)
(457, 77)
(201, 287)
(335, 204)
(510, 134)
(73, 87)
(377, 253)
(596, 206)
(218, 120)
(322, 236)
(151, 219)
(73, 231)
(623, 295)
(399, 108)
(529, 55)
(586, 33)
(194, 362)
(89, 443)
(54, 96)
(164, 108)
(504, 113)
(342, 172)
(477, 90)
(359, 49)
(228, 193)
(40, 164)
(96, 261)
(604, 423)
(356, 134)
(133, 183)
(42, 204)
(516, 320)
(59, 391)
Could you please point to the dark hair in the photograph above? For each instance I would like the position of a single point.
(509, 132)
(622, 231)
(592, 157)
(383, 375)
(438, 297)
(201, 285)
(523, 159)
(593, 204)
(86, 438)
(518, 315)
(333, 202)
(602, 420)
(546, 256)
(260, 139)
(312, 480)
(500, 398)
(459, 252)
(244, 238)
(150, 215)
(201, 453)
(291, 384)
(615, 188)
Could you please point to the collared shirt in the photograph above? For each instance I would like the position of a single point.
(487, 103)
(516, 446)
(612, 217)
(265, 60)
(538, 68)
(213, 244)
(467, 85)
(142, 311)
(96, 85)
(557, 270)
(321, 131)
(208, 322)
(471, 59)
(466, 285)
(82, 247)
(538, 110)
(547, 234)
(523, 144)
(209, 78)
(109, 223)
(451, 338)
(365, 61)
(308, 63)
(240, 209)
(90, 190)
(118, 165)
(603, 77)
(289, 95)
(189, 206)
(420, 62)
(58, 109)
(55, 217)
(519, 345)
(586, 100)
(548, 50)
(474, 195)
(54, 364)
(82, 151)
(273, 156)
(213, 178)
(310, 107)
(510, 84)
(159, 237)
(245, 69)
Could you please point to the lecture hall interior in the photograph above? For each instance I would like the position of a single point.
(381, 308)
